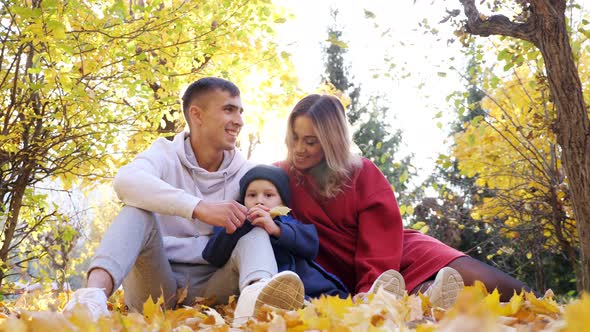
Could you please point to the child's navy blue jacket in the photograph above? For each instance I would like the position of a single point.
(294, 251)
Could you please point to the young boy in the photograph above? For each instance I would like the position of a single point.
(264, 190)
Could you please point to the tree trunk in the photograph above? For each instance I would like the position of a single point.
(546, 28)
(16, 202)
(27, 164)
(573, 128)
(566, 244)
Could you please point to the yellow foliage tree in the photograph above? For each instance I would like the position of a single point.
(543, 25)
(513, 150)
(84, 85)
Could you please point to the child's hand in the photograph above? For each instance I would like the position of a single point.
(260, 216)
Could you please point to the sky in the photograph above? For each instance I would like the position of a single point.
(414, 100)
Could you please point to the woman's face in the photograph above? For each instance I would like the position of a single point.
(307, 151)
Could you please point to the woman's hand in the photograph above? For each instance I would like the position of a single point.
(260, 216)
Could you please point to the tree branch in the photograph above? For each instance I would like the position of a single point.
(478, 24)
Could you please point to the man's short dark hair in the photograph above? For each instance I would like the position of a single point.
(206, 84)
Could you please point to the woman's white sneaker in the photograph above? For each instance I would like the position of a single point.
(391, 281)
(446, 287)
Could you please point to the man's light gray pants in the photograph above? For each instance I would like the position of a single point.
(132, 252)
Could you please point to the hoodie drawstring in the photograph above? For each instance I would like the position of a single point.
(224, 183)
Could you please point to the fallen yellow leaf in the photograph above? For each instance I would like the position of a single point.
(577, 314)
(279, 211)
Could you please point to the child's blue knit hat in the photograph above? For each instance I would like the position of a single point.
(274, 174)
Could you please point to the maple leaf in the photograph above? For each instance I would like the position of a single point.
(292, 319)
(313, 319)
(546, 306)
(577, 314)
(361, 317)
(279, 211)
(515, 303)
(332, 306)
(425, 328)
(46, 321)
(181, 295)
(188, 317)
(81, 318)
(152, 311)
(398, 311)
(13, 324)
(217, 319)
(468, 302)
(492, 302)
(426, 304)
(468, 323)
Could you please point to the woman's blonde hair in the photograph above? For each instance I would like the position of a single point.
(329, 121)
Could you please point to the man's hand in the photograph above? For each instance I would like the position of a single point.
(227, 214)
(260, 216)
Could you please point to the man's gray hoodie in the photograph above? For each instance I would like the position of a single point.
(166, 180)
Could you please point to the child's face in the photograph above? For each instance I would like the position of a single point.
(262, 192)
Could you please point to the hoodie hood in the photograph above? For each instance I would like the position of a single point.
(233, 165)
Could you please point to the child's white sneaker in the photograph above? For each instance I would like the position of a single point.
(446, 287)
(94, 299)
(284, 291)
(391, 281)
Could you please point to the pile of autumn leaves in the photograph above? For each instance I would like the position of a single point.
(475, 310)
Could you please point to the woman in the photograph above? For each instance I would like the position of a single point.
(356, 215)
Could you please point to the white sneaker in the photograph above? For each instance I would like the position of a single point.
(391, 281)
(94, 299)
(445, 288)
(284, 291)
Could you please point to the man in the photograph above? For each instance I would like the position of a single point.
(175, 192)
